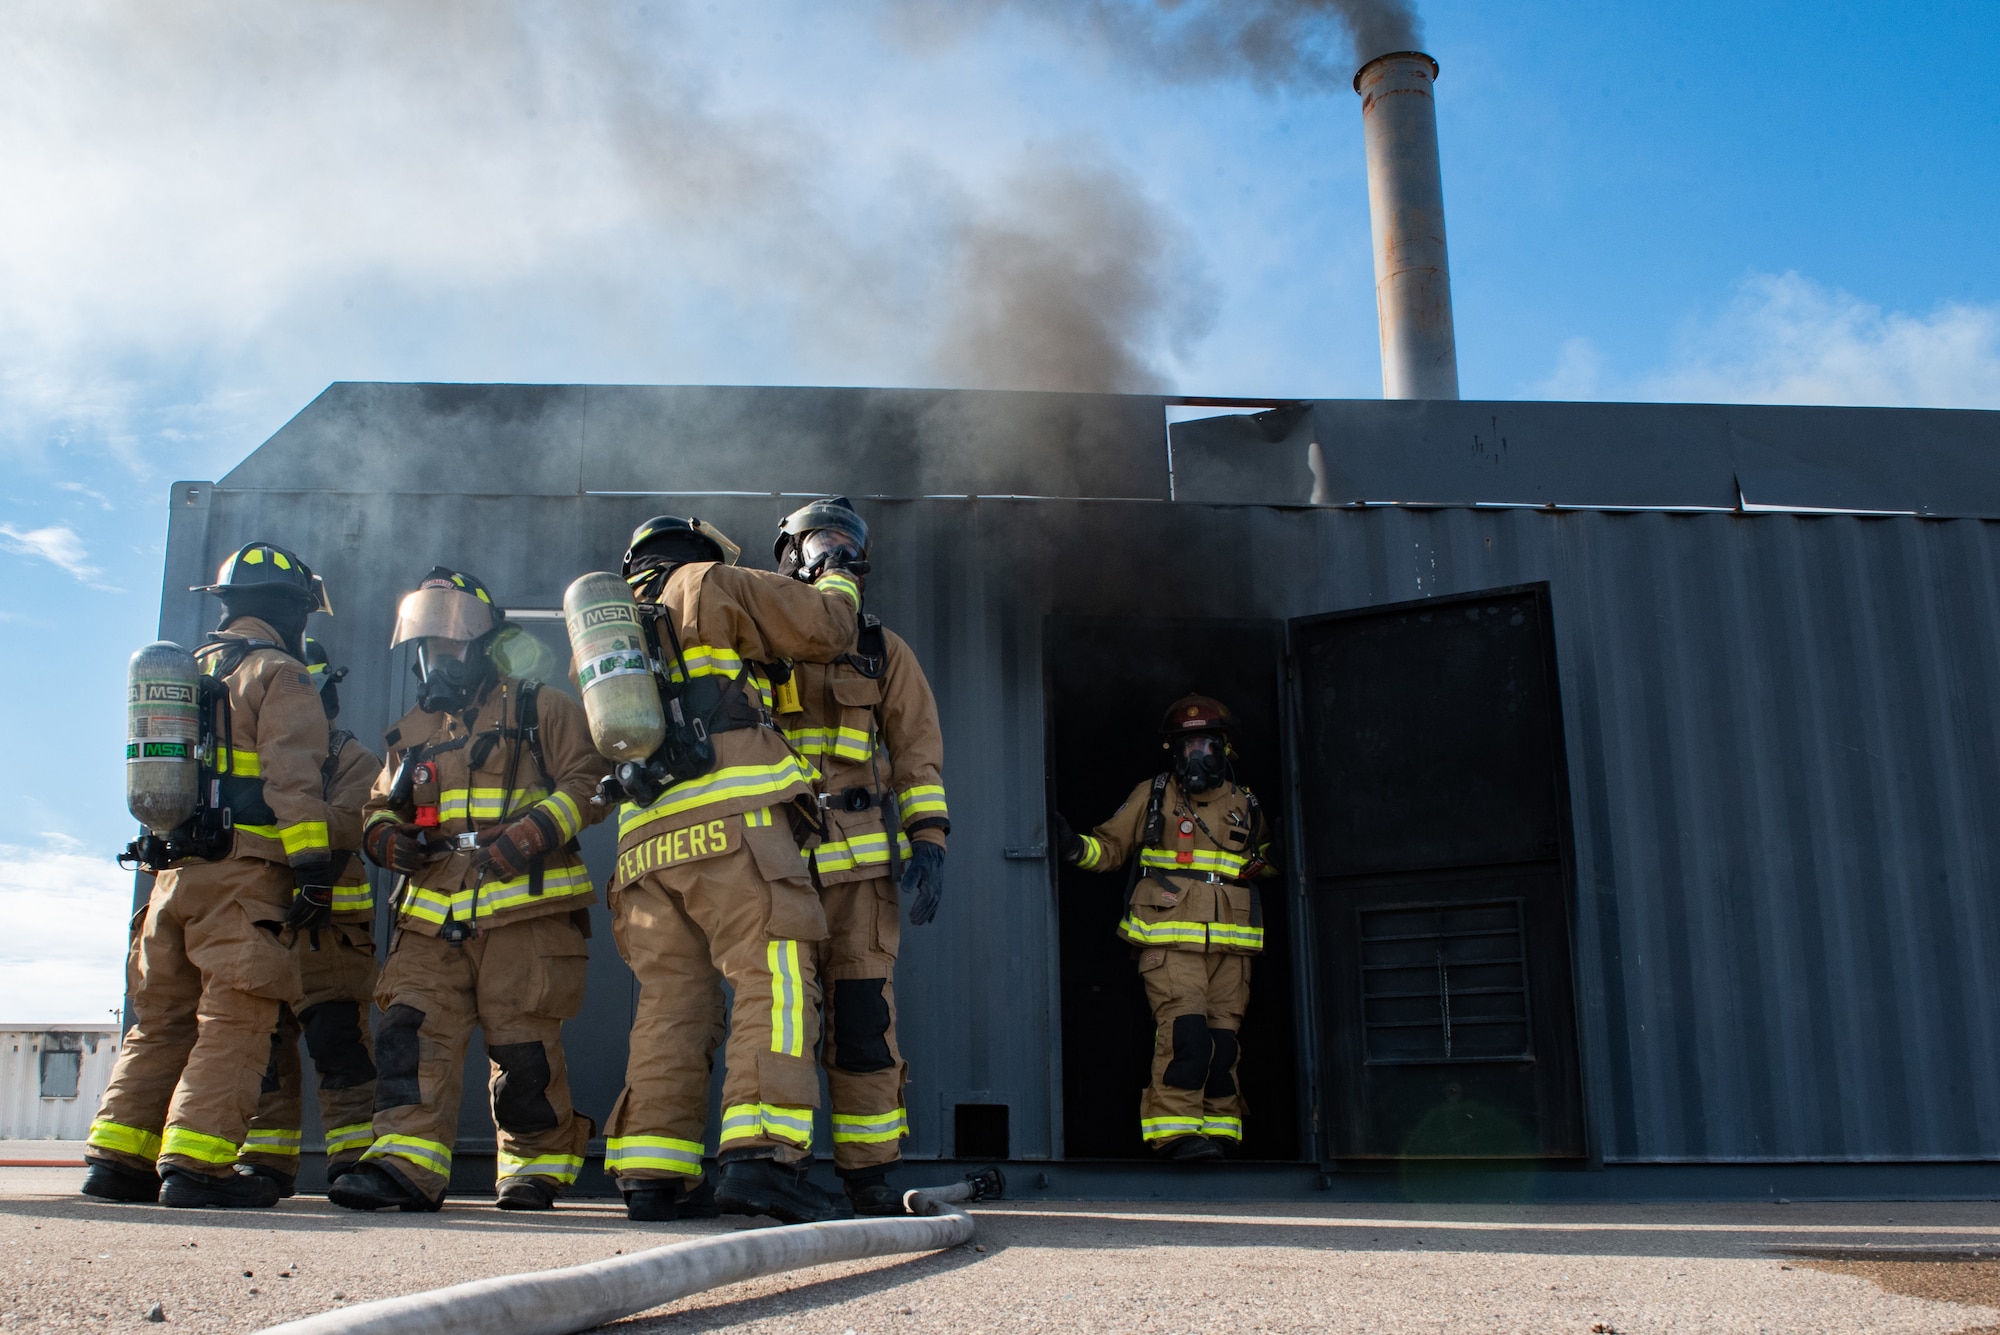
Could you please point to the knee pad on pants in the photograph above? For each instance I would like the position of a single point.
(396, 1055)
(333, 1037)
(1221, 1067)
(269, 1084)
(1189, 1067)
(861, 1025)
(521, 1094)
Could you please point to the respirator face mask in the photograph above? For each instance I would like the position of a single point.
(448, 677)
(1201, 763)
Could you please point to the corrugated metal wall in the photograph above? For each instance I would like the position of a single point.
(24, 1113)
(1782, 761)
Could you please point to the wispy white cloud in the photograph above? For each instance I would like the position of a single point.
(58, 544)
(1784, 338)
(63, 916)
(103, 501)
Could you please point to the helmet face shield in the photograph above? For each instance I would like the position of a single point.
(441, 612)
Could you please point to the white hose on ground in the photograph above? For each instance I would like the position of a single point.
(578, 1297)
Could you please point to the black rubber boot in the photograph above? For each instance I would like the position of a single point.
(108, 1181)
(336, 1171)
(699, 1203)
(374, 1186)
(652, 1202)
(231, 1191)
(869, 1192)
(1190, 1149)
(767, 1187)
(533, 1192)
(287, 1182)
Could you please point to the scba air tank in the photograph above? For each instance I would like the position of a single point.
(609, 648)
(163, 728)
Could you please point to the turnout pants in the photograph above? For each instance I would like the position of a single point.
(684, 929)
(865, 1070)
(207, 982)
(338, 983)
(1198, 1000)
(517, 983)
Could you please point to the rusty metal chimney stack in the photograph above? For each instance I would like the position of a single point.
(1406, 215)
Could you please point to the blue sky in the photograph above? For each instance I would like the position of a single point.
(212, 215)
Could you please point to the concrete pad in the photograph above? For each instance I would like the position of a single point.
(72, 1264)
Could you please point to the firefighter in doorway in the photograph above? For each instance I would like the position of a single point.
(1194, 843)
(487, 783)
(868, 721)
(209, 966)
(336, 975)
(710, 885)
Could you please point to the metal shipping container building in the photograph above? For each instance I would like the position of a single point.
(1638, 784)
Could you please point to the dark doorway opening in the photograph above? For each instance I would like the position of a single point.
(1435, 818)
(1108, 681)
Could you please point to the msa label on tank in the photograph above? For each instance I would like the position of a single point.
(141, 749)
(162, 693)
(690, 843)
(590, 617)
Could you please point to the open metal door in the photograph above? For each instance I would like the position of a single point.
(1435, 827)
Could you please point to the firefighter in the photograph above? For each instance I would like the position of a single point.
(868, 722)
(710, 885)
(336, 978)
(477, 808)
(209, 968)
(1194, 843)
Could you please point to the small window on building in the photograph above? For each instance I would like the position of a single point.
(59, 1074)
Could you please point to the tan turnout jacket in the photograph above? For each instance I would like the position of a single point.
(473, 798)
(731, 623)
(1195, 888)
(269, 758)
(869, 736)
(354, 772)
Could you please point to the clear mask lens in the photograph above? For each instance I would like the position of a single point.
(824, 541)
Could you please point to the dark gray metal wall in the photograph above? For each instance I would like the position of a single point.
(1783, 762)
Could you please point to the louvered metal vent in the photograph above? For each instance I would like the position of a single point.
(1445, 983)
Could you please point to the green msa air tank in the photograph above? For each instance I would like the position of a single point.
(612, 671)
(163, 730)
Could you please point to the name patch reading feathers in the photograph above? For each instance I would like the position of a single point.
(688, 844)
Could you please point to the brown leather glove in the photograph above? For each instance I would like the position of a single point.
(508, 850)
(395, 846)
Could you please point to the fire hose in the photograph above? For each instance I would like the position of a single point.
(574, 1298)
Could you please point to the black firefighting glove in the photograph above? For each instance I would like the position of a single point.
(510, 850)
(1069, 844)
(312, 906)
(395, 846)
(923, 879)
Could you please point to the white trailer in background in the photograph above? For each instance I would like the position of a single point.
(51, 1078)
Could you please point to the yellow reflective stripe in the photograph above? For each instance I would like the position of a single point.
(426, 1154)
(705, 660)
(195, 1145)
(308, 836)
(719, 786)
(354, 1136)
(1227, 1128)
(923, 799)
(263, 1141)
(1165, 1128)
(353, 898)
(759, 818)
(840, 743)
(835, 581)
(864, 850)
(124, 1139)
(242, 764)
(493, 803)
(434, 906)
(562, 807)
(788, 999)
(661, 1152)
(746, 1121)
(870, 1128)
(377, 818)
(1229, 934)
(1092, 856)
(1205, 861)
(1137, 930)
(561, 1167)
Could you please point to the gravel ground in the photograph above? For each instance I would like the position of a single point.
(71, 1264)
